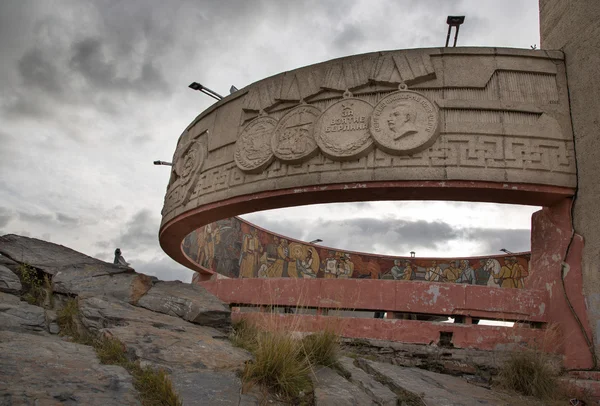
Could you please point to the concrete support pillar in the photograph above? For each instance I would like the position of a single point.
(574, 27)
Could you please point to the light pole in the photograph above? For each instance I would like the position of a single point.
(205, 90)
(163, 163)
(454, 21)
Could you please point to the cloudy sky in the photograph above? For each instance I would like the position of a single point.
(93, 91)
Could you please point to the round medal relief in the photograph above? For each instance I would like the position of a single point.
(293, 140)
(191, 159)
(253, 147)
(404, 122)
(342, 131)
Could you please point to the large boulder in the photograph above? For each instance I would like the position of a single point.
(16, 315)
(73, 272)
(50, 257)
(89, 280)
(47, 370)
(190, 302)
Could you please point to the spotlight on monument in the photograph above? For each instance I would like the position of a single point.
(318, 240)
(233, 89)
(205, 90)
(505, 251)
(163, 163)
(454, 21)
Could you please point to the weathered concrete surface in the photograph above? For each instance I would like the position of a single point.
(438, 389)
(190, 302)
(572, 27)
(381, 394)
(48, 370)
(16, 315)
(9, 281)
(332, 389)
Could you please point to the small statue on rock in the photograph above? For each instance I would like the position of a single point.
(119, 260)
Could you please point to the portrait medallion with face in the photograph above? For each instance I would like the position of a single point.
(404, 122)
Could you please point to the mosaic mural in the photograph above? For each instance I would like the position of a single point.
(237, 249)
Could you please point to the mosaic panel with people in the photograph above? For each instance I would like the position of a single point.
(237, 249)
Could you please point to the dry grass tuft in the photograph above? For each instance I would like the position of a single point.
(280, 364)
(322, 348)
(530, 373)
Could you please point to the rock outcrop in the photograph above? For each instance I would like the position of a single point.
(166, 325)
(48, 370)
(190, 302)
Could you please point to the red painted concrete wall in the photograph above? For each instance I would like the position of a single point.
(552, 295)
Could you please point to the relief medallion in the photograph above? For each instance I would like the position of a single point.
(253, 147)
(293, 140)
(342, 131)
(404, 122)
(189, 160)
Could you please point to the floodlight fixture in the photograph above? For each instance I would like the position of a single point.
(163, 163)
(318, 240)
(454, 21)
(205, 90)
(233, 89)
(412, 254)
(505, 251)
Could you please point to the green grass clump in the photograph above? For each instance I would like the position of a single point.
(154, 386)
(37, 286)
(280, 364)
(322, 348)
(529, 373)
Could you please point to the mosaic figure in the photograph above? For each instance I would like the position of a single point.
(452, 272)
(467, 273)
(249, 258)
(279, 268)
(434, 273)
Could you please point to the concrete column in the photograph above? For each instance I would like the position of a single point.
(573, 26)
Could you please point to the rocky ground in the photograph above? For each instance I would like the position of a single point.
(182, 329)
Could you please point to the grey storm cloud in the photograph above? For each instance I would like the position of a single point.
(38, 69)
(6, 216)
(91, 60)
(349, 36)
(66, 219)
(395, 235)
(163, 267)
(49, 219)
(140, 232)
